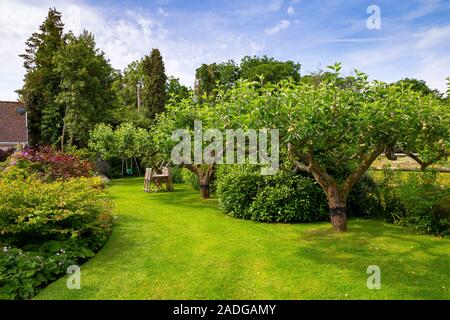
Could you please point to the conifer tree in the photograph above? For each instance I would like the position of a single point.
(41, 84)
(154, 90)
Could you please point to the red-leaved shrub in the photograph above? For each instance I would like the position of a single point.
(51, 164)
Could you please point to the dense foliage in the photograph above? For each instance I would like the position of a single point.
(262, 69)
(286, 197)
(22, 273)
(68, 85)
(47, 163)
(348, 126)
(41, 83)
(418, 201)
(86, 95)
(154, 89)
(32, 211)
(53, 213)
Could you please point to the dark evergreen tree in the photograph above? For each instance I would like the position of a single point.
(154, 89)
(41, 84)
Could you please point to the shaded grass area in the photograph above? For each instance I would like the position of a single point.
(178, 246)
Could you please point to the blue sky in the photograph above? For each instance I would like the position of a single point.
(414, 39)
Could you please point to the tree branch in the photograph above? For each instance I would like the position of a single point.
(423, 164)
(363, 167)
(191, 168)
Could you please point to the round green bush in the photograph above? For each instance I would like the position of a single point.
(237, 187)
(289, 198)
(284, 197)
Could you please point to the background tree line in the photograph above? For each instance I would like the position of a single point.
(70, 85)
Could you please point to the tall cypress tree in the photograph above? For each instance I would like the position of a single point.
(41, 84)
(154, 91)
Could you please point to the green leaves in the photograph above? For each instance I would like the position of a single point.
(86, 95)
(335, 67)
(125, 142)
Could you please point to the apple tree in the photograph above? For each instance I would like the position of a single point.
(329, 127)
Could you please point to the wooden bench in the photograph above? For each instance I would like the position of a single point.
(154, 181)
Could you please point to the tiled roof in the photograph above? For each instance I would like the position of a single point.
(13, 122)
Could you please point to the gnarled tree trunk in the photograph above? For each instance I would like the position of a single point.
(337, 204)
(205, 190)
(336, 193)
(205, 176)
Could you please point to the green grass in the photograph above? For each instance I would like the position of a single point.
(177, 246)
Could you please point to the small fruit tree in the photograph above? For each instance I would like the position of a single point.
(126, 142)
(182, 115)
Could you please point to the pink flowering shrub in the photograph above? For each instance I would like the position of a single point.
(50, 164)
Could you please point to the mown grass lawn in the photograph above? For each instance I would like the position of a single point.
(177, 246)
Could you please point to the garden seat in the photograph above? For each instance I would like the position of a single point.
(160, 181)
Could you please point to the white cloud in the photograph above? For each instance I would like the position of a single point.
(434, 36)
(290, 11)
(13, 34)
(258, 9)
(419, 55)
(205, 37)
(123, 40)
(282, 25)
(162, 12)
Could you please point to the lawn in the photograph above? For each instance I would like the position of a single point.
(177, 246)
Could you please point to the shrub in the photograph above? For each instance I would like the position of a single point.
(50, 164)
(190, 178)
(285, 197)
(34, 212)
(23, 273)
(177, 176)
(293, 198)
(416, 200)
(50, 225)
(237, 187)
(364, 199)
(425, 204)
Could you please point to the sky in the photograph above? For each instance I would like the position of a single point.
(408, 38)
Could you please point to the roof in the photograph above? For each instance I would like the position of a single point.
(13, 122)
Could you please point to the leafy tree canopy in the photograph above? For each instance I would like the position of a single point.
(262, 69)
(41, 83)
(328, 125)
(86, 94)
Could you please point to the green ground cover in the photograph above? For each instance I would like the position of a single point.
(178, 246)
